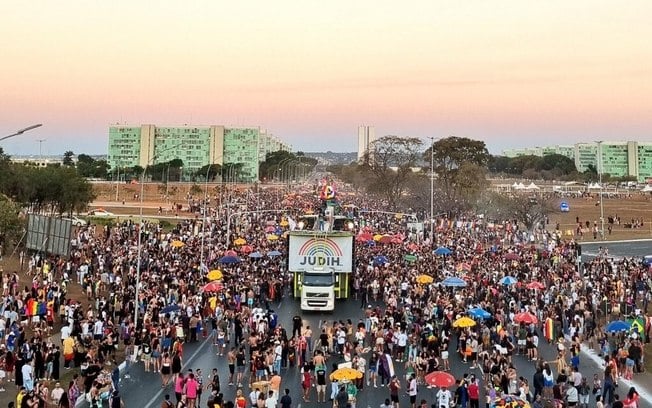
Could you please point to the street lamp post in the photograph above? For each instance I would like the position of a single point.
(432, 190)
(204, 221)
(140, 232)
(601, 188)
(228, 220)
(21, 131)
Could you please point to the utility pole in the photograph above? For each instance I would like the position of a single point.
(40, 149)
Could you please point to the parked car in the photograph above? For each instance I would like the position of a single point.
(76, 221)
(100, 213)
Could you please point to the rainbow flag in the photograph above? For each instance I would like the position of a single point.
(549, 329)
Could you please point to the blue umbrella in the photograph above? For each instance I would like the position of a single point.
(274, 253)
(229, 260)
(479, 313)
(380, 260)
(442, 251)
(255, 255)
(617, 326)
(508, 280)
(170, 309)
(454, 282)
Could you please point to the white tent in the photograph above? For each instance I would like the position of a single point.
(595, 186)
(532, 186)
(515, 185)
(519, 186)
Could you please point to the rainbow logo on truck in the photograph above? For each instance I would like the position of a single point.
(320, 252)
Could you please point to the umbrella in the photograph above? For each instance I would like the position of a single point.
(508, 280)
(229, 259)
(170, 309)
(525, 317)
(410, 257)
(464, 266)
(424, 279)
(255, 255)
(386, 239)
(464, 322)
(454, 282)
(377, 237)
(511, 401)
(479, 313)
(512, 257)
(617, 325)
(272, 237)
(245, 249)
(240, 241)
(364, 237)
(345, 374)
(230, 252)
(177, 244)
(274, 253)
(413, 247)
(440, 379)
(284, 223)
(212, 287)
(536, 285)
(270, 229)
(215, 274)
(442, 251)
(380, 260)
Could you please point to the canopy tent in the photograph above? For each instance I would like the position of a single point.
(532, 186)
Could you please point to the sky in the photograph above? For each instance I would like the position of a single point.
(513, 73)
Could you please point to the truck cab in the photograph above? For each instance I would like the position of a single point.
(318, 290)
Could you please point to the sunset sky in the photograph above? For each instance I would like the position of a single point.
(512, 73)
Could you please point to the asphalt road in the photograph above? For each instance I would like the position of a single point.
(618, 249)
(144, 389)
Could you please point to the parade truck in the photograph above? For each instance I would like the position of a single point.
(321, 264)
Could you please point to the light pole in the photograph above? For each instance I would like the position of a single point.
(432, 190)
(21, 131)
(203, 223)
(140, 231)
(40, 148)
(601, 187)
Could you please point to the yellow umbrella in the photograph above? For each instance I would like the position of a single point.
(464, 322)
(215, 274)
(272, 237)
(240, 241)
(424, 279)
(177, 244)
(345, 374)
(284, 223)
(377, 237)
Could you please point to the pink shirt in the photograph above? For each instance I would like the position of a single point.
(178, 385)
(191, 388)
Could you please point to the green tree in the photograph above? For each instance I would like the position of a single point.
(529, 210)
(68, 158)
(390, 165)
(212, 170)
(11, 224)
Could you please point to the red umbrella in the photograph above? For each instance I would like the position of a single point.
(213, 287)
(526, 317)
(246, 249)
(364, 237)
(535, 285)
(386, 239)
(440, 379)
(413, 247)
(230, 252)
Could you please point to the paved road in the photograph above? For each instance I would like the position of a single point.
(618, 249)
(144, 389)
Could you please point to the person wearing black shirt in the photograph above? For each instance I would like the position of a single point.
(320, 374)
(342, 398)
(286, 400)
(297, 324)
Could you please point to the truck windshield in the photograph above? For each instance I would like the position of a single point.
(317, 279)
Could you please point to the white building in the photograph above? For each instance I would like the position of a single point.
(366, 135)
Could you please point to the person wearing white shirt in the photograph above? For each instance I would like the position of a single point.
(98, 330)
(443, 398)
(65, 332)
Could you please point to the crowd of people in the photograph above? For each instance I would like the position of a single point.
(405, 329)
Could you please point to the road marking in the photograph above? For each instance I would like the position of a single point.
(160, 392)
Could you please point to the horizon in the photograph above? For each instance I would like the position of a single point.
(513, 74)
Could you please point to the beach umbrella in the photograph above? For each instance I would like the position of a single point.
(464, 322)
(508, 280)
(274, 253)
(511, 401)
(364, 237)
(454, 282)
(240, 241)
(230, 252)
(215, 274)
(176, 244)
(213, 287)
(424, 279)
(442, 251)
(229, 259)
(170, 309)
(464, 266)
(440, 379)
(525, 317)
(377, 237)
(410, 257)
(536, 285)
(512, 257)
(270, 229)
(617, 326)
(345, 374)
(272, 237)
(386, 239)
(245, 249)
(479, 313)
(255, 255)
(380, 260)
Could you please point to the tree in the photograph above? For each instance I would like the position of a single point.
(11, 224)
(390, 163)
(529, 210)
(212, 170)
(449, 157)
(67, 159)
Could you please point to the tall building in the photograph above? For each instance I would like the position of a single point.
(366, 135)
(618, 159)
(238, 150)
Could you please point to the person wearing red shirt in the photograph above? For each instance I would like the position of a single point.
(474, 393)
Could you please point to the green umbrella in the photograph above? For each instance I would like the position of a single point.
(410, 257)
